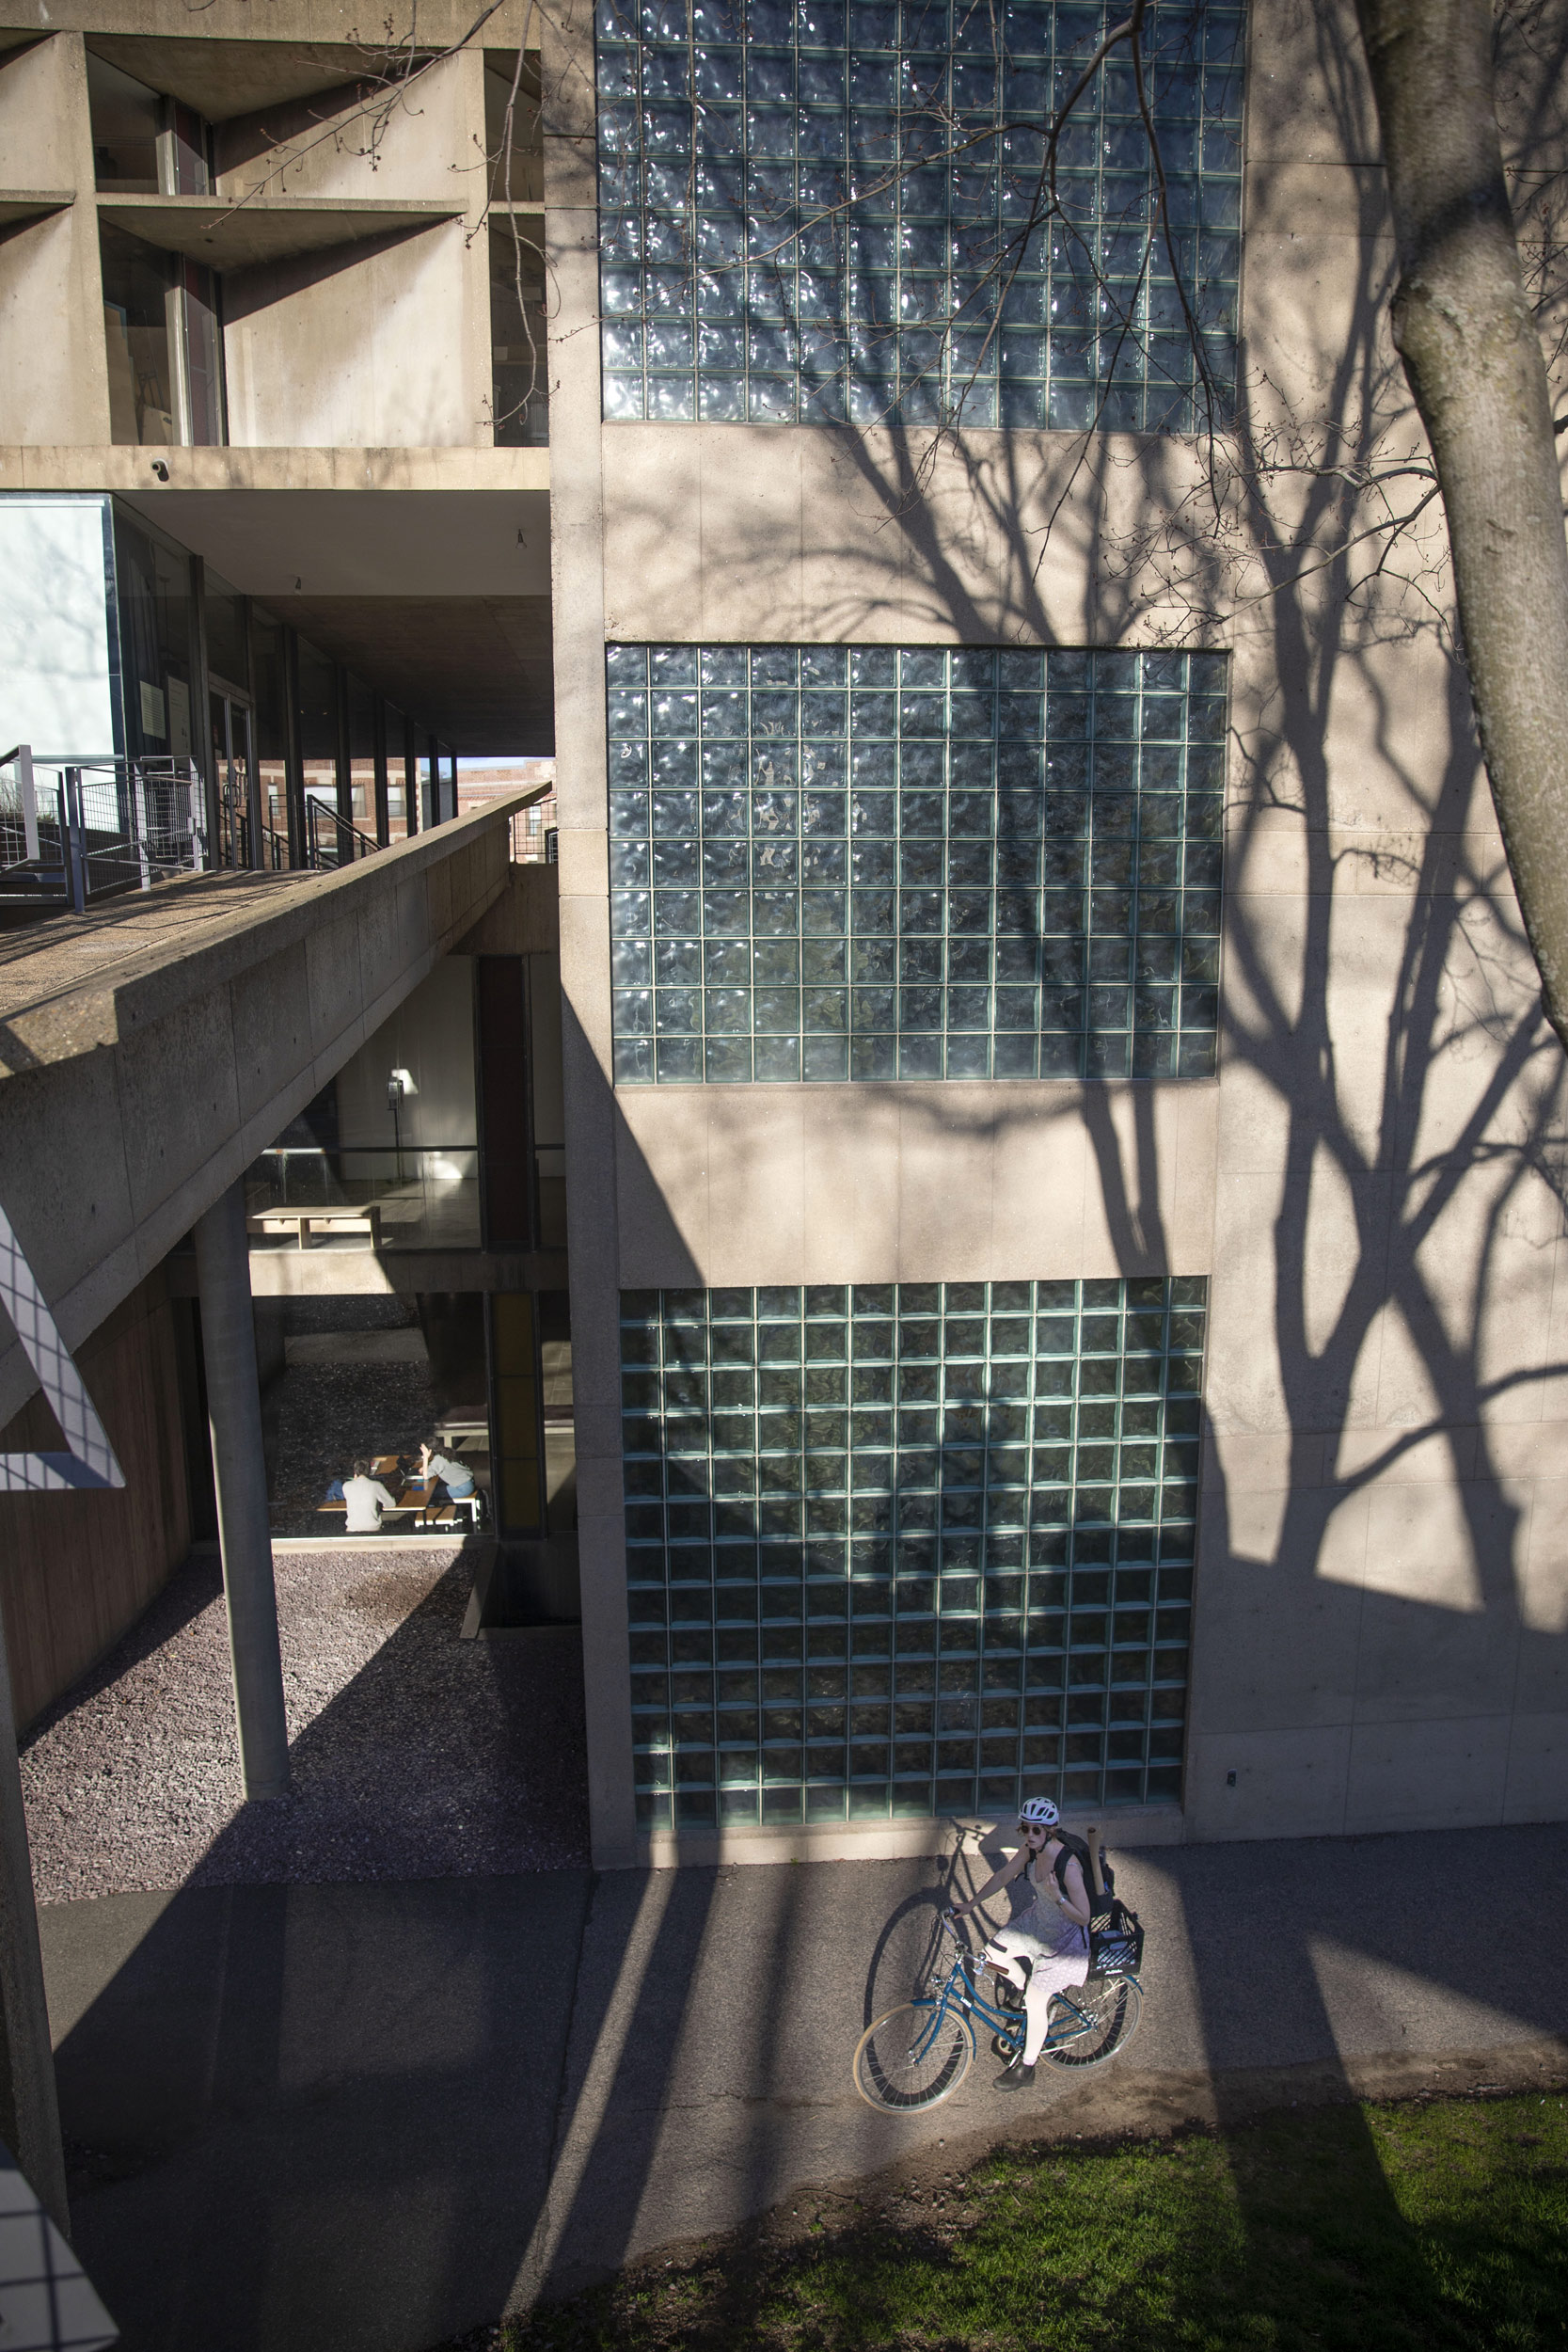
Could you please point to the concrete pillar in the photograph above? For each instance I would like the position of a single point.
(29, 2110)
(240, 1473)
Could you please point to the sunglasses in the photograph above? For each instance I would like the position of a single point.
(1033, 1829)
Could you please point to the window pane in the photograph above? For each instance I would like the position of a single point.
(741, 280)
(911, 863)
(993, 1606)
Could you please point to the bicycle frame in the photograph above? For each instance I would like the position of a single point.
(961, 1992)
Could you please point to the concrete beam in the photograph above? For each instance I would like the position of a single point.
(337, 1273)
(149, 1051)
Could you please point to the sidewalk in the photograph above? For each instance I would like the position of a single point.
(364, 2117)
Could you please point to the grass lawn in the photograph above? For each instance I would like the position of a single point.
(1401, 2228)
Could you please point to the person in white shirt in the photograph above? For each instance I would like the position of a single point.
(456, 1477)
(1055, 1946)
(367, 1497)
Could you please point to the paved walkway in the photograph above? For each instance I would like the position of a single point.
(364, 2117)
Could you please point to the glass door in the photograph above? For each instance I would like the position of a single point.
(244, 839)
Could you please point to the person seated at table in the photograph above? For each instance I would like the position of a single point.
(456, 1476)
(366, 1498)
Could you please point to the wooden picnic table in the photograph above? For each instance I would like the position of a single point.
(408, 1499)
(302, 1223)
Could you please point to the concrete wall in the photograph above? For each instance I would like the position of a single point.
(578, 564)
(356, 141)
(383, 344)
(912, 1183)
(363, 345)
(76, 1569)
(1374, 1185)
(53, 379)
(526, 919)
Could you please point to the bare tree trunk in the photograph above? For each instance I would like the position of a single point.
(1473, 358)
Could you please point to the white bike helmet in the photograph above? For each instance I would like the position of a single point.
(1040, 1810)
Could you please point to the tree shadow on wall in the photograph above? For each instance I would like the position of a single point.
(1380, 1537)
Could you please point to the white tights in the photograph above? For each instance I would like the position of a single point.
(1054, 1969)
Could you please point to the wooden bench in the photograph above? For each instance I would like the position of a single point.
(302, 1223)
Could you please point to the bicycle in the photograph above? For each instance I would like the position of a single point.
(920, 2052)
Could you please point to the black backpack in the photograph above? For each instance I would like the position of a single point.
(1116, 1933)
(1077, 1848)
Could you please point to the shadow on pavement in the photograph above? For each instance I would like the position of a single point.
(371, 2117)
(319, 2116)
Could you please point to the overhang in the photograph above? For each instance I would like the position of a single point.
(231, 234)
(439, 599)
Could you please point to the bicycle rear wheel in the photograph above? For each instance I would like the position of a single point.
(1093, 2023)
(914, 2056)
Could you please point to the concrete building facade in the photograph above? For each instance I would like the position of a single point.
(1060, 1149)
(1021, 1364)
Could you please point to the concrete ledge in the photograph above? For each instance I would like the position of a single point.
(349, 1273)
(885, 1841)
(237, 466)
(383, 1541)
(82, 983)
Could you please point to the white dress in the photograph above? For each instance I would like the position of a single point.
(1057, 1947)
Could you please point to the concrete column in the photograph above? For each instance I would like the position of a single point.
(240, 1473)
(29, 2110)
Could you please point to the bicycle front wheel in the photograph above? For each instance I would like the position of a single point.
(914, 2056)
(1093, 2023)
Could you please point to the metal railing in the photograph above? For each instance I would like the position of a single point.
(533, 830)
(332, 840)
(234, 829)
(76, 829)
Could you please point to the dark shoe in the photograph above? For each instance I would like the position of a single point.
(1016, 2077)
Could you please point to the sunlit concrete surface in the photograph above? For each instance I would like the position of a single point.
(365, 2117)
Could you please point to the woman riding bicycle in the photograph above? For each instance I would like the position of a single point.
(1052, 1936)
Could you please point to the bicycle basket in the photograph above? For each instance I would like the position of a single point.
(1117, 1943)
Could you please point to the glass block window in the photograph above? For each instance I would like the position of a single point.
(898, 1549)
(873, 862)
(817, 212)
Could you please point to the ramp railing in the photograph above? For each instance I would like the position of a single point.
(76, 828)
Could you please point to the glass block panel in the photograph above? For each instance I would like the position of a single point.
(808, 216)
(880, 861)
(985, 1594)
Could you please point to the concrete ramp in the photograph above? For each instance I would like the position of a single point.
(149, 1049)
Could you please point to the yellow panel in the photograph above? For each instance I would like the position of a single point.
(517, 1417)
(519, 1494)
(512, 1324)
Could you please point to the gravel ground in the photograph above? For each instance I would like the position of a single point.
(415, 1755)
(328, 1414)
